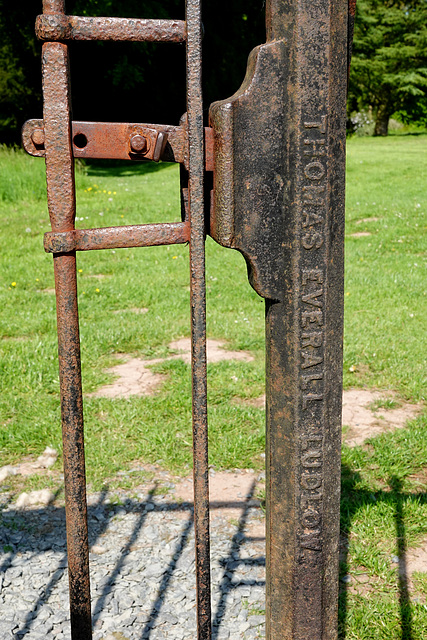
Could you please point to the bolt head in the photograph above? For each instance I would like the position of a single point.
(38, 136)
(138, 143)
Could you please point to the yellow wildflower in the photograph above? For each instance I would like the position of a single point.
(13, 284)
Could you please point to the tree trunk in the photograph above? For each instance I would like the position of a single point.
(381, 121)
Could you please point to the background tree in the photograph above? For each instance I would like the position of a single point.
(389, 63)
(128, 82)
(20, 79)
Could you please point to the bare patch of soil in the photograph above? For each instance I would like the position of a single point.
(363, 585)
(49, 290)
(364, 421)
(416, 559)
(256, 531)
(362, 220)
(258, 403)
(99, 276)
(136, 310)
(17, 474)
(135, 378)
(230, 493)
(41, 497)
(29, 467)
(215, 351)
(360, 234)
(361, 416)
(419, 478)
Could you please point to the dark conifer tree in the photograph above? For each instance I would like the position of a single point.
(389, 63)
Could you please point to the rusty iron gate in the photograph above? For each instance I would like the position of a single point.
(274, 153)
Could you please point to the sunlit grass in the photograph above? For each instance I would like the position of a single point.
(385, 347)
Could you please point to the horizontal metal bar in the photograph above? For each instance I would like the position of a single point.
(114, 140)
(51, 27)
(138, 235)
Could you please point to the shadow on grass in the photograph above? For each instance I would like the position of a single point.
(405, 134)
(120, 168)
(352, 500)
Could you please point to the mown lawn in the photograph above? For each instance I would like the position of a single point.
(384, 504)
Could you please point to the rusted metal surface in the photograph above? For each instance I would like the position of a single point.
(61, 27)
(59, 141)
(73, 444)
(351, 19)
(248, 158)
(61, 202)
(37, 138)
(138, 235)
(276, 149)
(304, 332)
(198, 316)
(279, 199)
(113, 141)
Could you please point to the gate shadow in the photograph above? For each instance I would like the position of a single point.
(21, 532)
(352, 500)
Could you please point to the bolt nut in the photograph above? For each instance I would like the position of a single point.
(38, 137)
(138, 143)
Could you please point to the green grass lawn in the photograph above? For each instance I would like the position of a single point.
(384, 503)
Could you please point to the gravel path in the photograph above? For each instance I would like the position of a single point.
(142, 569)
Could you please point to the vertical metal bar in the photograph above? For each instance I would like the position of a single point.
(304, 332)
(61, 202)
(198, 316)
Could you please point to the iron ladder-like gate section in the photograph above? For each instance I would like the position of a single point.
(276, 153)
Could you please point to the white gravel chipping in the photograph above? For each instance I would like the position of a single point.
(142, 571)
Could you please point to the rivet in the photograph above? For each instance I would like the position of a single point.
(138, 143)
(38, 136)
